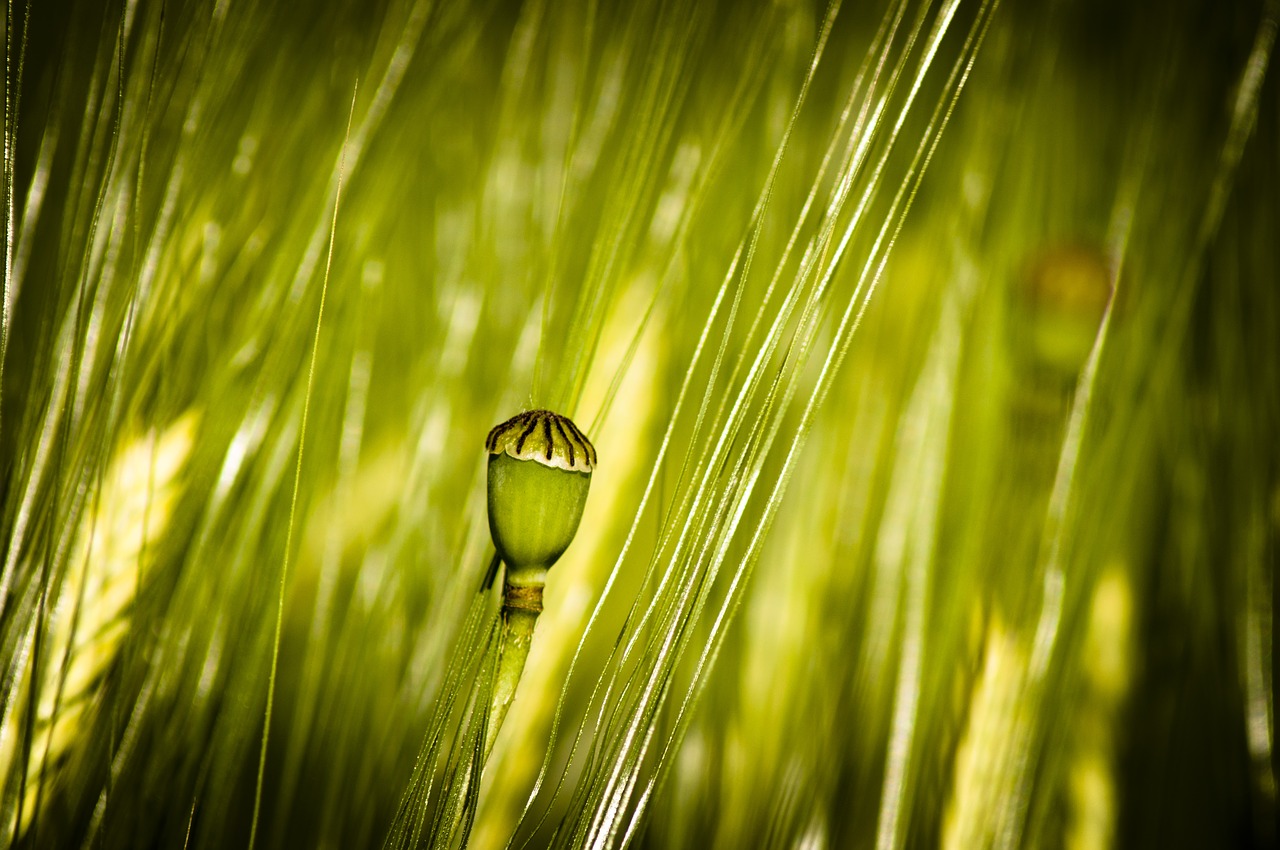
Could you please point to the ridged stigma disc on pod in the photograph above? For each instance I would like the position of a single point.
(540, 467)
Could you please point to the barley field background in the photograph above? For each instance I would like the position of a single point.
(930, 349)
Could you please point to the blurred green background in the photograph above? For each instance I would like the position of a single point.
(931, 351)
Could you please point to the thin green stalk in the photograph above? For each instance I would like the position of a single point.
(520, 609)
(297, 484)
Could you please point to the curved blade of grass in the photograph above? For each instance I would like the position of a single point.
(297, 483)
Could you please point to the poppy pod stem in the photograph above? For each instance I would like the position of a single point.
(540, 467)
(517, 636)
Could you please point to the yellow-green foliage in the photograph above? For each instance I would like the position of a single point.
(931, 350)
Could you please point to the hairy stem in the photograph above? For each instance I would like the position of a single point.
(521, 605)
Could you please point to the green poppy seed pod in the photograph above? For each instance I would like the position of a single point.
(1062, 298)
(539, 472)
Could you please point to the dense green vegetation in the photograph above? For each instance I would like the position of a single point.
(930, 349)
